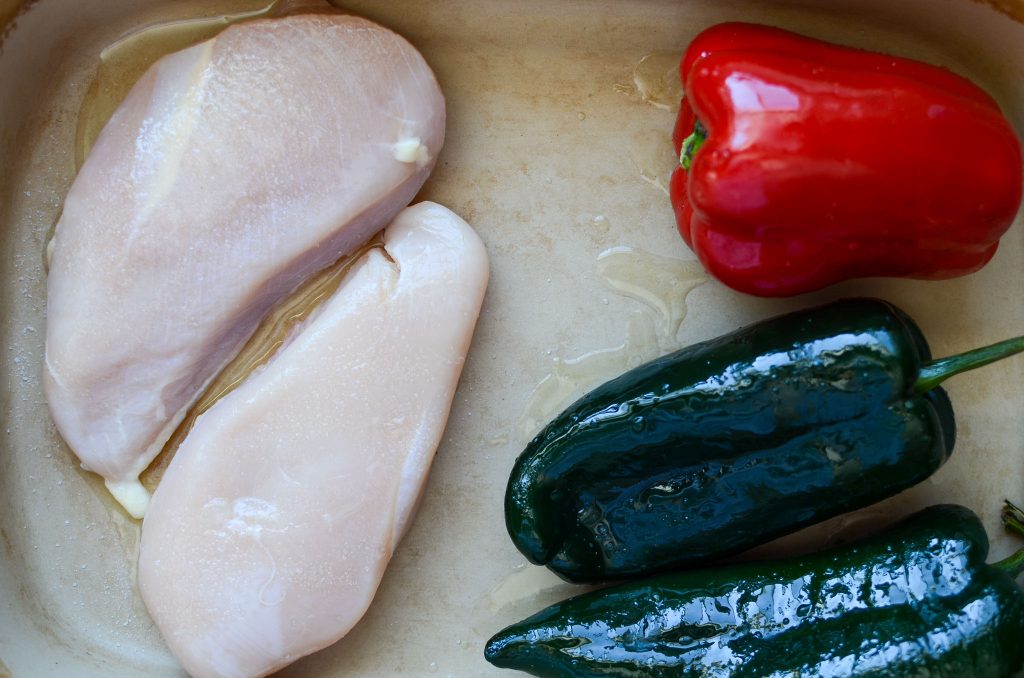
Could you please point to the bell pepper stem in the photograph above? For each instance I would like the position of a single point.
(1013, 519)
(937, 371)
(692, 144)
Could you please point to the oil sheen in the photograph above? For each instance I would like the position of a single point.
(124, 61)
(660, 283)
(656, 78)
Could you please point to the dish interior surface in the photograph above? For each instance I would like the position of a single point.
(558, 152)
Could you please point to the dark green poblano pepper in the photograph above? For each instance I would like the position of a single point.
(918, 600)
(730, 443)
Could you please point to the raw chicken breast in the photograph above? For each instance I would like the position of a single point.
(232, 171)
(271, 528)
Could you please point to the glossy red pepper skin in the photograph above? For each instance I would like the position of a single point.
(824, 163)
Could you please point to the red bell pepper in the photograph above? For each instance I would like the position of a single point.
(807, 163)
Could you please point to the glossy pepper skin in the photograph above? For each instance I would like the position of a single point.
(918, 600)
(730, 443)
(823, 163)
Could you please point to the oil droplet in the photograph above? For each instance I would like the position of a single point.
(655, 159)
(581, 115)
(572, 377)
(656, 79)
(271, 335)
(433, 667)
(662, 283)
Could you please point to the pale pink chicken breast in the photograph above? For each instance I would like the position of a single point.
(233, 171)
(270, 531)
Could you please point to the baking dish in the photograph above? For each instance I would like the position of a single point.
(558, 152)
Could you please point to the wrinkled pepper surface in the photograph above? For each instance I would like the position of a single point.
(733, 442)
(917, 600)
(805, 163)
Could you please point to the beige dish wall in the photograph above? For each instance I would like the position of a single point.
(558, 150)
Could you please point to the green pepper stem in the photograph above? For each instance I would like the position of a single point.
(937, 371)
(692, 144)
(1013, 519)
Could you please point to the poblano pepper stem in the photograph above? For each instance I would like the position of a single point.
(692, 144)
(937, 371)
(1013, 519)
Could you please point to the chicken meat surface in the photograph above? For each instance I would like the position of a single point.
(233, 171)
(270, 531)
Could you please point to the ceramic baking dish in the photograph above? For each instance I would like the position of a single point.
(558, 152)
